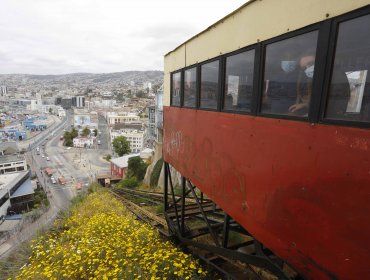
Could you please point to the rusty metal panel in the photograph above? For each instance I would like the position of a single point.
(302, 190)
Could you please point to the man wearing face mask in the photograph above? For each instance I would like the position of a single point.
(304, 85)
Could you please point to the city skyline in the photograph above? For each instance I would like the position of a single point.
(60, 37)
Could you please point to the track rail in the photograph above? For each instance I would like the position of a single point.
(154, 220)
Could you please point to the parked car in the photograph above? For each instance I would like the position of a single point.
(47, 158)
(53, 180)
(42, 155)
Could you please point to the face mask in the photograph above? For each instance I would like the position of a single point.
(309, 71)
(288, 65)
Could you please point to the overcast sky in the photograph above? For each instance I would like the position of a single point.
(68, 36)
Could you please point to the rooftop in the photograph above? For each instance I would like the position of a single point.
(7, 181)
(11, 158)
(9, 147)
(122, 162)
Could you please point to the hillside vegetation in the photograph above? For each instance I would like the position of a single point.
(100, 239)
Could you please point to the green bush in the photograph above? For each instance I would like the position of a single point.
(154, 177)
(130, 183)
(107, 157)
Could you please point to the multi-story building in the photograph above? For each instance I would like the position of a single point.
(61, 112)
(66, 103)
(80, 101)
(114, 118)
(3, 91)
(134, 136)
(58, 101)
(151, 124)
(10, 161)
(83, 142)
(16, 191)
(159, 115)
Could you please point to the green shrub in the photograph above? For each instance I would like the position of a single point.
(130, 183)
(154, 177)
(107, 157)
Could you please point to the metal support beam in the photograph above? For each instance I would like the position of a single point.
(226, 231)
(246, 258)
(183, 183)
(173, 197)
(165, 187)
(214, 236)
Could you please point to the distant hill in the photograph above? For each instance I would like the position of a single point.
(83, 78)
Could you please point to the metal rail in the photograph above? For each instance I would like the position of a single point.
(145, 215)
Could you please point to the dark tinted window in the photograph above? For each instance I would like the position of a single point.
(176, 89)
(288, 74)
(209, 85)
(190, 87)
(239, 81)
(349, 93)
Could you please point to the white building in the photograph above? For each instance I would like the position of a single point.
(80, 101)
(10, 160)
(61, 112)
(148, 85)
(83, 142)
(114, 118)
(133, 136)
(3, 91)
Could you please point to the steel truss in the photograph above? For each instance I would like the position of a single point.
(185, 214)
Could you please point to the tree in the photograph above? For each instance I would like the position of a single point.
(136, 168)
(68, 137)
(74, 133)
(121, 146)
(85, 132)
(68, 142)
(95, 132)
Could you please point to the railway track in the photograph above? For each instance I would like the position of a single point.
(138, 202)
(156, 221)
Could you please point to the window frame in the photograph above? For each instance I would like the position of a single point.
(181, 88)
(334, 26)
(224, 57)
(197, 88)
(220, 83)
(314, 27)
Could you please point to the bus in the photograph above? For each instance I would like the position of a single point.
(267, 114)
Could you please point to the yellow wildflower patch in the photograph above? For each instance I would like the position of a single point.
(101, 240)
